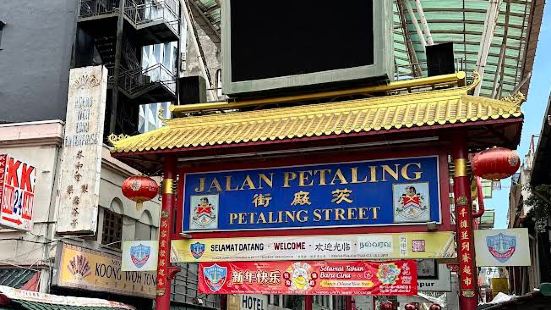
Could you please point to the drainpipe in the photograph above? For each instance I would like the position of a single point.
(480, 195)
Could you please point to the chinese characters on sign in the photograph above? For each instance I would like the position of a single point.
(331, 247)
(82, 147)
(164, 252)
(309, 278)
(465, 250)
(17, 191)
(367, 193)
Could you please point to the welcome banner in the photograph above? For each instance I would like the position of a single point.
(309, 278)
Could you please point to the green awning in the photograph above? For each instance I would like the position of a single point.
(23, 300)
(15, 277)
(32, 305)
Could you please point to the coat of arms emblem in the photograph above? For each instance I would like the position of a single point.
(204, 211)
(215, 276)
(197, 249)
(410, 203)
(139, 254)
(501, 246)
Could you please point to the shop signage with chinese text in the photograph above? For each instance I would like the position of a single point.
(82, 147)
(368, 193)
(17, 191)
(368, 246)
(309, 278)
(100, 271)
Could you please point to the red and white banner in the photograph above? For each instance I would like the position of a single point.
(17, 190)
(309, 278)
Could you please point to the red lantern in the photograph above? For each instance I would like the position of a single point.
(140, 189)
(495, 164)
(435, 307)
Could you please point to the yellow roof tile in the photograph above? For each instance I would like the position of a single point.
(429, 108)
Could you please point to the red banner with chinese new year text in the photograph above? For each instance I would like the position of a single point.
(309, 278)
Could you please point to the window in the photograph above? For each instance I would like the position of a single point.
(111, 232)
(2, 24)
(294, 302)
(149, 115)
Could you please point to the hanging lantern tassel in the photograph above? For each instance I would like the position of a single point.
(140, 189)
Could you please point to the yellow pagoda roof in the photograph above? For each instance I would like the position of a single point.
(420, 109)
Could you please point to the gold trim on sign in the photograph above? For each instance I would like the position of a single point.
(167, 186)
(460, 167)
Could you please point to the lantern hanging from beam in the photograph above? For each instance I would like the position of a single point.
(495, 164)
(140, 189)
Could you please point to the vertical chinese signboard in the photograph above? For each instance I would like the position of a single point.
(81, 162)
(465, 248)
(309, 278)
(17, 190)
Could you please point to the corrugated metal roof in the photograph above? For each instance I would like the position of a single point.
(461, 22)
(422, 109)
(32, 305)
(15, 277)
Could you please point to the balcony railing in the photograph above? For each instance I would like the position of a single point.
(135, 81)
(89, 8)
(143, 14)
(140, 14)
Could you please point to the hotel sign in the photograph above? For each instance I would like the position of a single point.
(416, 245)
(369, 193)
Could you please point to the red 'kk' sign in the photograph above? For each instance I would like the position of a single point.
(17, 189)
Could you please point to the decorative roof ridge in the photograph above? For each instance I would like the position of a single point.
(511, 104)
(317, 108)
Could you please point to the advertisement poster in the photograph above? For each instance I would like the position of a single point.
(17, 191)
(100, 271)
(361, 246)
(368, 193)
(502, 247)
(140, 255)
(310, 278)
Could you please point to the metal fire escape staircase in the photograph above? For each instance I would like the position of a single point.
(152, 84)
(152, 22)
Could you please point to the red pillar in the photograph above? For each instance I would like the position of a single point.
(165, 271)
(347, 302)
(308, 302)
(464, 222)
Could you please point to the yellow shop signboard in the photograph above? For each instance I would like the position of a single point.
(409, 245)
(100, 271)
